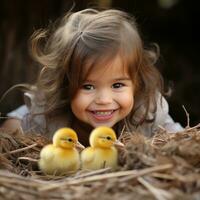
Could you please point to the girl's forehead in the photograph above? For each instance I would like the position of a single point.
(112, 67)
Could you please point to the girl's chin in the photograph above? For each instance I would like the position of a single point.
(97, 124)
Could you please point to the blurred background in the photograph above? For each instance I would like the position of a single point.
(172, 24)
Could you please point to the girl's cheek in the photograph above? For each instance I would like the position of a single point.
(84, 99)
(127, 99)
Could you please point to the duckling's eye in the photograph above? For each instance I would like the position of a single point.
(108, 138)
(70, 140)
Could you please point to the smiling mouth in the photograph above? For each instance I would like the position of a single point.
(103, 115)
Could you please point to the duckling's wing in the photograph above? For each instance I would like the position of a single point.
(87, 155)
(47, 153)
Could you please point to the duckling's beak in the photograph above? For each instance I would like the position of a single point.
(79, 146)
(117, 143)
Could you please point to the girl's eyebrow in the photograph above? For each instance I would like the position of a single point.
(125, 78)
(122, 79)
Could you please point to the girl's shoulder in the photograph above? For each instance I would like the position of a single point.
(161, 118)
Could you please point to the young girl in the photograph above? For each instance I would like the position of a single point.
(95, 72)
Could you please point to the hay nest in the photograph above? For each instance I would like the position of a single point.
(164, 167)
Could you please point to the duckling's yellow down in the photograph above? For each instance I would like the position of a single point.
(61, 157)
(102, 152)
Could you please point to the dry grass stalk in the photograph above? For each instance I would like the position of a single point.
(164, 167)
(130, 174)
(158, 193)
(19, 150)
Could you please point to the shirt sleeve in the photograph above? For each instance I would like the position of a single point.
(164, 119)
(19, 113)
(22, 110)
(31, 121)
(34, 120)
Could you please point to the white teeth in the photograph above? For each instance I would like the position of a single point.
(103, 112)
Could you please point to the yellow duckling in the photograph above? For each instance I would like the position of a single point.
(61, 157)
(102, 152)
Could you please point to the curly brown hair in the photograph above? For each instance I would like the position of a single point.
(90, 36)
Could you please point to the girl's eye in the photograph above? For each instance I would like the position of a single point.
(88, 87)
(117, 85)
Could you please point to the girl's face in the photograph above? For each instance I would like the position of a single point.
(106, 97)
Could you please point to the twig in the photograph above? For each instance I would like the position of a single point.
(147, 171)
(159, 194)
(134, 173)
(27, 158)
(162, 176)
(19, 181)
(20, 189)
(19, 150)
(188, 117)
(91, 173)
(194, 127)
(121, 134)
(4, 117)
(162, 128)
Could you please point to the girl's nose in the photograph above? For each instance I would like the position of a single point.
(103, 97)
